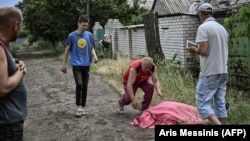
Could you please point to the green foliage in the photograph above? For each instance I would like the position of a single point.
(194, 65)
(54, 20)
(116, 9)
(51, 20)
(239, 107)
(24, 33)
(102, 54)
(46, 47)
(175, 60)
(142, 55)
(242, 18)
(177, 83)
(14, 47)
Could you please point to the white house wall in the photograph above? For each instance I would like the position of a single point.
(138, 42)
(174, 32)
(123, 42)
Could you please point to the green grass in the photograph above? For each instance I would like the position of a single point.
(177, 85)
(14, 47)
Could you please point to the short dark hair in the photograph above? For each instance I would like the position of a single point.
(83, 19)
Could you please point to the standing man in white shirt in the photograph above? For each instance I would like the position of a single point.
(212, 38)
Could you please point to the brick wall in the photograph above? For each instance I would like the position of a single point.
(174, 32)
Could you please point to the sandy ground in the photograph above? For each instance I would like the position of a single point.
(51, 106)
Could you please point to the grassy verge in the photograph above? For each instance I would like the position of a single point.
(177, 85)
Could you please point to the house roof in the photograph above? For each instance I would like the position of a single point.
(173, 7)
(132, 26)
(169, 7)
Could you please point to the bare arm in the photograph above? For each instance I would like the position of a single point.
(7, 84)
(131, 80)
(156, 83)
(65, 59)
(94, 54)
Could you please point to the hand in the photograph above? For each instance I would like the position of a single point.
(21, 65)
(64, 69)
(192, 49)
(134, 104)
(95, 59)
(160, 95)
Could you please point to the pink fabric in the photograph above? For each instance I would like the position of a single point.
(168, 113)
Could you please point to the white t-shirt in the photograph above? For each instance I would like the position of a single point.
(215, 62)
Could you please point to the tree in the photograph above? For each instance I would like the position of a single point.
(102, 10)
(241, 17)
(52, 20)
(151, 25)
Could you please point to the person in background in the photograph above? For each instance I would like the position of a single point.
(138, 75)
(105, 42)
(80, 47)
(13, 94)
(212, 39)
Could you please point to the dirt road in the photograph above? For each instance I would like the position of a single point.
(51, 106)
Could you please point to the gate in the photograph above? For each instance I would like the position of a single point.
(238, 61)
(100, 34)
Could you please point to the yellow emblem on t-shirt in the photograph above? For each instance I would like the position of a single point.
(81, 43)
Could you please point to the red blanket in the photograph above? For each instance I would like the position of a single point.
(168, 113)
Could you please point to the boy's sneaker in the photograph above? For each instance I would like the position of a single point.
(120, 108)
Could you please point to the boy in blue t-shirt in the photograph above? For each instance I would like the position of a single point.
(80, 47)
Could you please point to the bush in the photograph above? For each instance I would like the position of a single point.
(24, 33)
